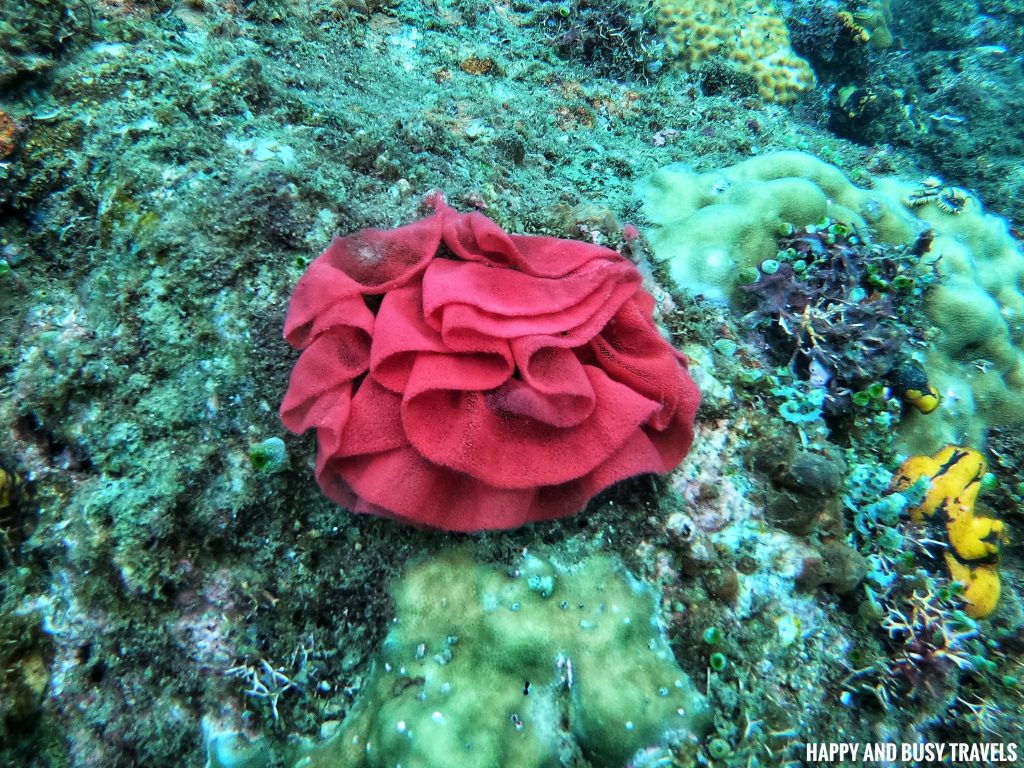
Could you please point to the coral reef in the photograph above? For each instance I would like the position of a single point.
(615, 38)
(490, 668)
(174, 588)
(713, 230)
(843, 313)
(932, 656)
(939, 93)
(755, 41)
(33, 33)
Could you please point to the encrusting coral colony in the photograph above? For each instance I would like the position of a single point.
(953, 478)
(480, 661)
(656, 401)
(749, 35)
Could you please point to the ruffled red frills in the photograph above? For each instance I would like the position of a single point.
(502, 379)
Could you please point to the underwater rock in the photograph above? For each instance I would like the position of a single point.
(837, 566)
(723, 583)
(804, 486)
(812, 474)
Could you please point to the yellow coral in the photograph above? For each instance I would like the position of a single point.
(924, 400)
(972, 558)
(870, 25)
(857, 33)
(10, 488)
(751, 35)
(876, 20)
(910, 381)
(981, 586)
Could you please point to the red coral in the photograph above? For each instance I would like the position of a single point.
(503, 379)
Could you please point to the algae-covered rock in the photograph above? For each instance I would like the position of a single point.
(485, 668)
(31, 33)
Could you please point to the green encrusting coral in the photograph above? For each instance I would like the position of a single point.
(714, 229)
(484, 668)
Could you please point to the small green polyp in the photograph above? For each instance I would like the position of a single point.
(270, 456)
(719, 749)
(712, 636)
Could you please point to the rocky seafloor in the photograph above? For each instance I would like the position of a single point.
(172, 577)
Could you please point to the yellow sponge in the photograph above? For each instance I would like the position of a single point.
(954, 476)
(751, 35)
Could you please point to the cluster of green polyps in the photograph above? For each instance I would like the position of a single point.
(711, 229)
(484, 667)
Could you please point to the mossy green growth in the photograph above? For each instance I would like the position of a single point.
(483, 669)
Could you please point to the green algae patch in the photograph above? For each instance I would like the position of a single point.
(487, 666)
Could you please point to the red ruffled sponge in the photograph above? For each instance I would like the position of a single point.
(465, 379)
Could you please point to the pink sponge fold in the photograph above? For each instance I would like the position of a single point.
(464, 379)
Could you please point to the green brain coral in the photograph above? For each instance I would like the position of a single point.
(711, 229)
(485, 668)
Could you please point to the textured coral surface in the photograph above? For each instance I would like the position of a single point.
(480, 658)
(749, 35)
